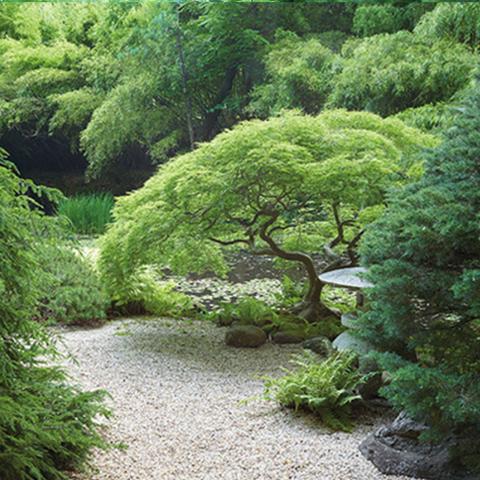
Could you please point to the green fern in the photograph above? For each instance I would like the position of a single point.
(326, 388)
(248, 311)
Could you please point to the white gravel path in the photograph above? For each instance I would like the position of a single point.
(176, 392)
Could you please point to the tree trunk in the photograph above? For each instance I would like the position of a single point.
(211, 126)
(185, 78)
(311, 308)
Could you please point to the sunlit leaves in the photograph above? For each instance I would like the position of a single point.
(389, 73)
(299, 75)
(294, 167)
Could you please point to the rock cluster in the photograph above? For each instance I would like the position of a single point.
(396, 449)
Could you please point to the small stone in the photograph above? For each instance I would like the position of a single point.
(286, 337)
(321, 345)
(245, 336)
(349, 320)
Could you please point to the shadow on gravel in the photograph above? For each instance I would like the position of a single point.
(201, 345)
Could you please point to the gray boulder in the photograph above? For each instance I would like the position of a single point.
(395, 449)
(245, 336)
(286, 337)
(349, 320)
(347, 341)
(321, 345)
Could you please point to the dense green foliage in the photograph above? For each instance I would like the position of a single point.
(129, 81)
(276, 187)
(324, 387)
(458, 21)
(315, 115)
(161, 298)
(430, 118)
(247, 311)
(71, 291)
(299, 74)
(273, 319)
(389, 73)
(423, 256)
(387, 17)
(46, 425)
(88, 214)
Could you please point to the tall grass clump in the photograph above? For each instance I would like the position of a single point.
(88, 214)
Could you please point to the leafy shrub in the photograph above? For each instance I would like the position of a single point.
(326, 388)
(73, 112)
(31, 74)
(429, 117)
(105, 139)
(299, 75)
(46, 425)
(389, 73)
(88, 214)
(459, 21)
(162, 299)
(71, 291)
(147, 293)
(373, 19)
(46, 81)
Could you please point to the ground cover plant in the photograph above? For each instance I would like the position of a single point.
(47, 426)
(89, 214)
(247, 311)
(279, 187)
(273, 318)
(326, 387)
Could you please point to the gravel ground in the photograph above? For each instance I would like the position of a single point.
(176, 392)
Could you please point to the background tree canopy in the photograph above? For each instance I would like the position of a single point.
(114, 86)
